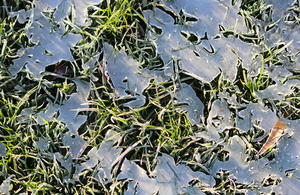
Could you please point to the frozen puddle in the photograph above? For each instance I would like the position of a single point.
(211, 55)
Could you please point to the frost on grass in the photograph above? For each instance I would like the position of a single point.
(258, 114)
(47, 115)
(287, 162)
(68, 111)
(42, 144)
(242, 171)
(207, 13)
(278, 91)
(283, 167)
(255, 115)
(283, 29)
(69, 115)
(205, 60)
(279, 8)
(255, 171)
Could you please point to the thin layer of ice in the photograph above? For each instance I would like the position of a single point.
(286, 160)
(52, 43)
(47, 115)
(217, 54)
(65, 162)
(69, 110)
(5, 186)
(210, 12)
(192, 104)
(128, 79)
(278, 73)
(260, 115)
(178, 175)
(168, 178)
(218, 120)
(2, 150)
(132, 171)
(240, 170)
(25, 115)
(42, 144)
(62, 9)
(285, 29)
(172, 45)
(68, 114)
(237, 157)
(278, 91)
(104, 156)
(81, 11)
(278, 7)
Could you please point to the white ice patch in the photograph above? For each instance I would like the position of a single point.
(128, 79)
(218, 120)
(167, 178)
(53, 45)
(103, 157)
(2, 150)
(206, 60)
(192, 104)
(5, 186)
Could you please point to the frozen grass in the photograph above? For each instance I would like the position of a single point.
(158, 127)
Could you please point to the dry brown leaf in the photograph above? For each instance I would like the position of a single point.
(273, 137)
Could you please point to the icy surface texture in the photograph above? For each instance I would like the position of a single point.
(2, 150)
(168, 178)
(52, 44)
(213, 54)
(191, 103)
(283, 28)
(103, 157)
(5, 186)
(68, 114)
(126, 75)
(218, 120)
